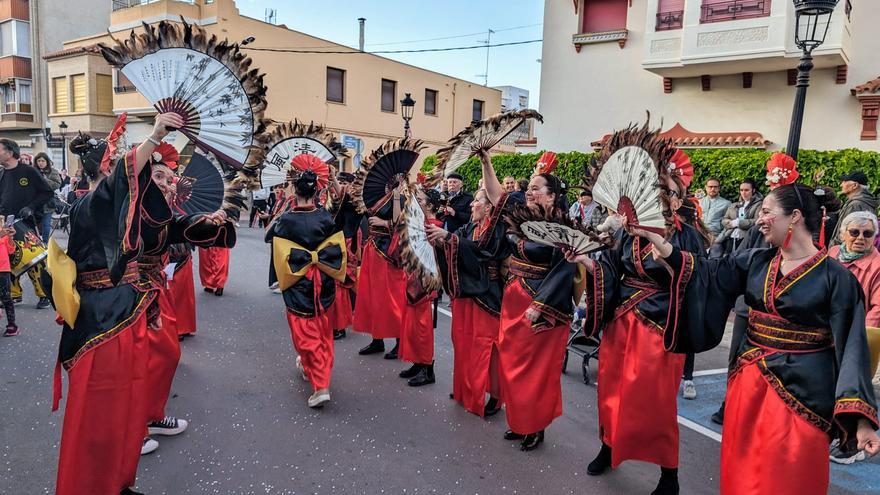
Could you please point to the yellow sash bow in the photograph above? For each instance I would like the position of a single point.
(64, 293)
(282, 249)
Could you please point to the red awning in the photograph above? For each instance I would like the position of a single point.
(683, 138)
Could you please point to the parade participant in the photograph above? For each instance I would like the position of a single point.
(348, 220)
(471, 262)
(536, 312)
(631, 300)
(102, 300)
(181, 291)
(213, 269)
(7, 247)
(309, 254)
(417, 334)
(802, 374)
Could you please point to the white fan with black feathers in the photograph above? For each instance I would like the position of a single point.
(291, 139)
(560, 236)
(628, 183)
(417, 254)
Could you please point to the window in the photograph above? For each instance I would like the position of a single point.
(478, 110)
(523, 101)
(599, 16)
(78, 83)
(15, 39)
(670, 14)
(123, 84)
(335, 85)
(104, 93)
(7, 98)
(60, 96)
(389, 95)
(730, 10)
(24, 96)
(22, 39)
(430, 102)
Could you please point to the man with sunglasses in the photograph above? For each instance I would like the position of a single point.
(858, 198)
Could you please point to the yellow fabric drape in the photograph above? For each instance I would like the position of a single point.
(281, 253)
(63, 272)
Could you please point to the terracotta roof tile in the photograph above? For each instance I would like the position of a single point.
(683, 138)
(72, 51)
(870, 87)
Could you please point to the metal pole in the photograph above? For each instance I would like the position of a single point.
(488, 45)
(800, 99)
(63, 153)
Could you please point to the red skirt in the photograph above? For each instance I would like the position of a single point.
(381, 296)
(104, 420)
(766, 447)
(214, 267)
(638, 387)
(182, 295)
(313, 341)
(475, 341)
(340, 313)
(417, 336)
(530, 365)
(164, 355)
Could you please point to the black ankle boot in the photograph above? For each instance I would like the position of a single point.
(338, 334)
(129, 491)
(601, 463)
(512, 435)
(491, 408)
(393, 353)
(424, 377)
(411, 371)
(375, 346)
(532, 441)
(668, 484)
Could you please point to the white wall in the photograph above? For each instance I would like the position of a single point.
(588, 94)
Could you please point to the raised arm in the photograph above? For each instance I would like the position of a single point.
(164, 122)
(490, 180)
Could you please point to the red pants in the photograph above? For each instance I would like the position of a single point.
(164, 355)
(531, 365)
(417, 335)
(313, 341)
(381, 296)
(104, 418)
(340, 313)
(475, 370)
(182, 296)
(214, 267)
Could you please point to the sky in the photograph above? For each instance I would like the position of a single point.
(402, 25)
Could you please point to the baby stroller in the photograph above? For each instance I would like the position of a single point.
(580, 345)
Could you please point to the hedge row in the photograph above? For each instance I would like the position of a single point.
(730, 166)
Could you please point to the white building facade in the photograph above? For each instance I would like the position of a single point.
(715, 73)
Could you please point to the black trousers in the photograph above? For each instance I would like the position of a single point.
(6, 298)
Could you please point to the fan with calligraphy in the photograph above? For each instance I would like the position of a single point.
(291, 139)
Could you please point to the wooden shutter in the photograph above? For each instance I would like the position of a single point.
(104, 92)
(60, 95)
(78, 82)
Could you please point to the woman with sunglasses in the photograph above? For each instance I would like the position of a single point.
(801, 377)
(858, 254)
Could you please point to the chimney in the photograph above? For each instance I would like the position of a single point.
(361, 22)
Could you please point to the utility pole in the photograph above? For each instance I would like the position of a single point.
(488, 45)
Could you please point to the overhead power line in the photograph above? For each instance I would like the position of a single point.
(381, 52)
(453, 37)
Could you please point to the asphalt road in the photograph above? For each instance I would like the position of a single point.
(252, 433)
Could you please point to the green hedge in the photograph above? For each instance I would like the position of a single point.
(730, 166)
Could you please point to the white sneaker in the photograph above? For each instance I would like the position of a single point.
(169, 426)
(273, 286)
(149, 446)
(276, 290)
(302, 370)
(319, 398)
(689, 390)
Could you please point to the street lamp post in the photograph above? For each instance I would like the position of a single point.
(812, 18)
(47, 132)
(407, 105)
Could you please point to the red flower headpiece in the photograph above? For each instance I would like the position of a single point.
(304, 162)
(547, 163)
(167, 154)
(680, 166)
(781, 170)
(421, 178)
(113, 143)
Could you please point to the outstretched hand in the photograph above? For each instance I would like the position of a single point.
(219, 217)
(867, 438)
(436, 235)
(582, 259)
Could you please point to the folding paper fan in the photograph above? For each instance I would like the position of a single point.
(200, 187)
(482, 135)
(180, 68)
(560, 236)
(383, 170)
(417, 254)
(291, 139)
(628, 178)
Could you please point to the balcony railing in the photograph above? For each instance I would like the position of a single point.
(729, 10)
(669, 20)
(124, 89)
(124, 4)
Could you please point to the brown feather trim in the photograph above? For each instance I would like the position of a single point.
(519, 214)
(286, 130)
(408, 259)
(357, 188)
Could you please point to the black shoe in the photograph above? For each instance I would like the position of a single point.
(492, 407)
(424, 377)
(601, 463)
(668, 484)
(129, 491)
(208, 289)
(718, 416)
(532, 441)
(43, 303)
(393, 353)
(511, 435)
(451, 395)
(375, 346)
(338, 334)
(218, 292)
(411, 371)
(17, 300)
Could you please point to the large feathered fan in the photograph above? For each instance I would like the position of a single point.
(554, 228)
(290, 139)
(180, 68)
(383, 170)
(628, 176)
(417, 254)
(482, 135)
(200, 187)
